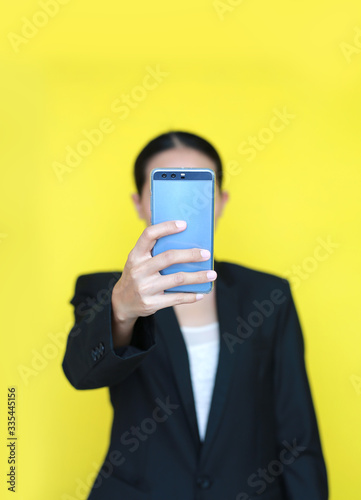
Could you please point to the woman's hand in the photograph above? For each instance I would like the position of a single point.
(140, 289)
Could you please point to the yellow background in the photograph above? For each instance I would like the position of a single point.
(227, 73)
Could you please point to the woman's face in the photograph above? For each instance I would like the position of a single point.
(179, 157)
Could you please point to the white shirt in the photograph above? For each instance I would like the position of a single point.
(202, 344)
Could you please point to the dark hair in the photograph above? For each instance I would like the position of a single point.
(171, 140)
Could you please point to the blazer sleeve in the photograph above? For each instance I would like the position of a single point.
(304, 470)
(90, 359)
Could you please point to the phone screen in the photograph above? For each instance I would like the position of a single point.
(185, 194)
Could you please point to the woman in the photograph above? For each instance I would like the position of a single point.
(210, 393)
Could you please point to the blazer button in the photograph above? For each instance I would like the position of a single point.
(94, 355)
(204, 482)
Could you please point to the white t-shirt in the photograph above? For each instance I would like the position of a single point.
(203, 350)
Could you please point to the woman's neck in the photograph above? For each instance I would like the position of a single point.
(198, 313)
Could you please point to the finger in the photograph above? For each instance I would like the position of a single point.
(175, 256)
(165, 282)
(173, 299)
(152, 233)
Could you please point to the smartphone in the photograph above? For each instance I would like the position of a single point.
(185, 194)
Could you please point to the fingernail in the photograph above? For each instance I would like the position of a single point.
(180, 223)
(205, 253)
(199, 296)
(211, 275)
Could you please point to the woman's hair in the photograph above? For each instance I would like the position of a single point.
(172, 140)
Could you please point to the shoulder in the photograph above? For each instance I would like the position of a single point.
(93, 284)
(252, 281)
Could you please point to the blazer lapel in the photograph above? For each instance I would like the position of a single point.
(171, 334)
(227, 312)
(228, 309)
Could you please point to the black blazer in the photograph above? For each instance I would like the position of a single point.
(262, 440)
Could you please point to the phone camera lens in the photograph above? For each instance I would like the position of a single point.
(164, 175)
(173, 175)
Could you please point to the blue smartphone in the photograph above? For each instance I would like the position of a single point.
(185, 194)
